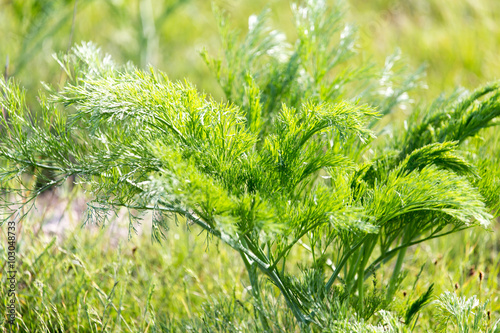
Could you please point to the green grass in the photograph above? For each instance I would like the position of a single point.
(70, 280)
(86, 279)
(457, 40)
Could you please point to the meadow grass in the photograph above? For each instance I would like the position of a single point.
(92, 279)
(87, 279)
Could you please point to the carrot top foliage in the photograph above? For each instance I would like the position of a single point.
(290, 159)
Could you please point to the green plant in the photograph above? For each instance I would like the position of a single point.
(467, 315)
(291, 160)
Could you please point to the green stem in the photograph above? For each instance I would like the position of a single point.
(397, 270)
(254, 282)
(292, 301)
(383, 258)
(352, 270)
(367, 250)
(361, 289)
(272, 272)
(344, 260)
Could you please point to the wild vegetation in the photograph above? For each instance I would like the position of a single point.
(307, 174)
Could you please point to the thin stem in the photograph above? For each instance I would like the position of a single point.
(391, 290)
(361, 289)
(390, 254)
(346, 257)
(284, 253)
(293, 303)
(368, 247)
(254, 282)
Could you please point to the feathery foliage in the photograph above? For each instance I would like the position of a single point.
(466, 315)
(283, 163)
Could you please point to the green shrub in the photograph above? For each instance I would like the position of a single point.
(296, 157)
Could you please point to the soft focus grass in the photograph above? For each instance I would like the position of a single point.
(88, 279)
(85, 278)
(458, 40)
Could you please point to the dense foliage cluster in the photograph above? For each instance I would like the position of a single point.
(296, 157)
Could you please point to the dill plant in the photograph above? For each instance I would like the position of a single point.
(296, 156)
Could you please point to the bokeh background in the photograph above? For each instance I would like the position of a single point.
(457, 40)
(85, 276)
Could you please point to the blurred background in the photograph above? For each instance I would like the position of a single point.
(86, 276)
(458, 40)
